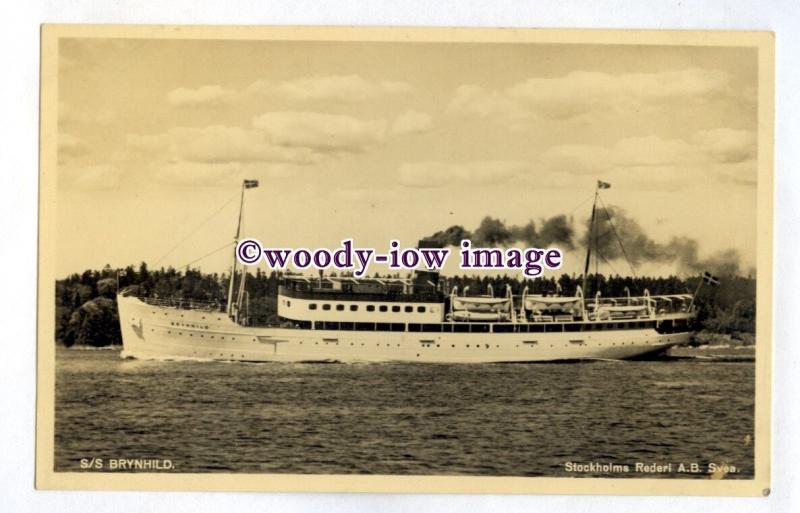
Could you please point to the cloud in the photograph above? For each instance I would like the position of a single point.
(728, 145)
(275, 146)
(476, 101)
(330, 88)
(321, 132)
(220, 144)
(203, 95)
(412, 122)
(651, 162)
(582, 92)
(342, 88)
(725, 153)
(439, 174)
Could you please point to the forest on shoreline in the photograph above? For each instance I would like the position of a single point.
(86, 310)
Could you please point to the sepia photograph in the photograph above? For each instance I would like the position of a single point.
(414, 260)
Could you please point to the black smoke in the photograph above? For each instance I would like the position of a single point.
(613, 225)
(616, 230)
(494, 232)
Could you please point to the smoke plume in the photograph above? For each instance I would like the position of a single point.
(614, 230)
(494, 232)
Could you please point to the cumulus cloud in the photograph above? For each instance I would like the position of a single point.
(651, 161)
(477, 101)
(330, 88)
(412, 122)
(439, 174)
(275, 145)
(321, 132)
(582, 92)
(220, 144)
(723, 152)
(343, 88)
(728, 145)
(203, 95)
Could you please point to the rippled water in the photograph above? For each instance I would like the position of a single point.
(497, 419)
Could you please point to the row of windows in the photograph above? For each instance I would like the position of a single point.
(370, 308)
(477, 327)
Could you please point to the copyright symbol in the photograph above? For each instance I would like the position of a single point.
(248, 251)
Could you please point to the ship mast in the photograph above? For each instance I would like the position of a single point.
(246, 184)
(589, 241)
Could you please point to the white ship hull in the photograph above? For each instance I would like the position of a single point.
(156, 332)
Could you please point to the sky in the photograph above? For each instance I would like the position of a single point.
(382, 140)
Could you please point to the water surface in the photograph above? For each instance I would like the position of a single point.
(493, 419)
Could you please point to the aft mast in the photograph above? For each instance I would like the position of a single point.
(593, 235)
(589, 240)
(234, 312)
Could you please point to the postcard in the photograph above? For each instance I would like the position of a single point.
(405, 260)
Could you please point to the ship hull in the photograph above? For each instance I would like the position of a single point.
(156, 332)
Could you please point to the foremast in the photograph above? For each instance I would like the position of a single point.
(234, 309)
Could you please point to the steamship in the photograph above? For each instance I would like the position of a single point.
(345, 319)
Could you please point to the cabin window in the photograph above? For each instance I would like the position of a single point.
(395, 308)
(312, 306)
(382, 308)
(420, 309)
(288, 303)
(339, 308)
(353, 308)
(370, 308)
(409, 309)
(326, 307)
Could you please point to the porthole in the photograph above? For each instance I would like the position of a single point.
(395, 308)
(370, 308)
(312, 306)
(383, 308)
(339, 308)
(353, 308)
(408, 309)
(326, 307)
(420, 309)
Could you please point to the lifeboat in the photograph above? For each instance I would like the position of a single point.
(481, 308)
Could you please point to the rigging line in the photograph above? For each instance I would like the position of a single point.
(582, 203)
(196, 228)
(608, 263)
(619, 239)
(209, 254)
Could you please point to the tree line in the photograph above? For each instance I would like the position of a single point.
(86, 311)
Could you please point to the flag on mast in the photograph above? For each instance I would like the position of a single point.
(603, 185)
(710, 278)
(250, 184)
